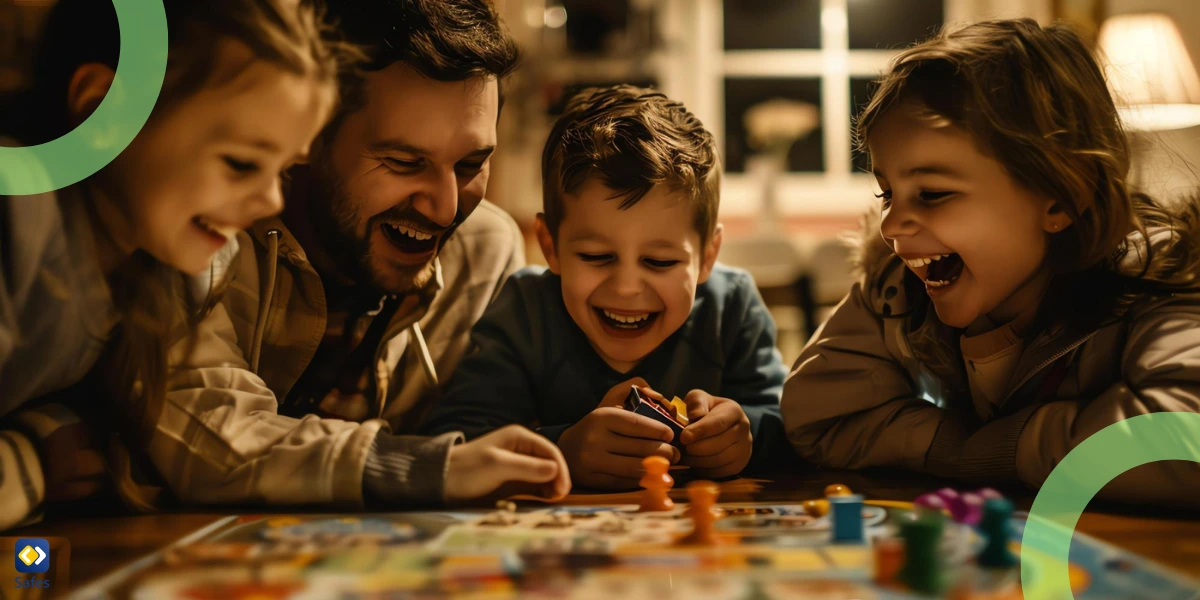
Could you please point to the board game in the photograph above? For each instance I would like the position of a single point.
(610, 552)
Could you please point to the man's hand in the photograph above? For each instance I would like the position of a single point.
(513, 459)
(605, 449)
(717, 441)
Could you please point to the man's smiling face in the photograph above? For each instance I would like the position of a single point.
(401, 172)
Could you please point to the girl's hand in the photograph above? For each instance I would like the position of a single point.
(717, 440)
(512, 459)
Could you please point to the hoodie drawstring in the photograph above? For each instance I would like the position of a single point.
(264, 301)
(423, 350)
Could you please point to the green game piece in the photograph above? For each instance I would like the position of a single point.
(994, 526)
(923, 571)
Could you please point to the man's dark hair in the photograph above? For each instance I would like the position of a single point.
(444, 40)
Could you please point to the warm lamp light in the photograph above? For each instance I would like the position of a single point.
(1149, 72)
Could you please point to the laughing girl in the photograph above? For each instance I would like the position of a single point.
(1016, 296)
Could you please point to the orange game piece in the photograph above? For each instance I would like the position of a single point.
(657, 482)
(816, 508)
(704, 513)
(837, 489)
(889, 557)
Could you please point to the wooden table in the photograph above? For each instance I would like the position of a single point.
(101, 544)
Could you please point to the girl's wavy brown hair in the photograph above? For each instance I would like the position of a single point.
(1035, 99)
(150, 296)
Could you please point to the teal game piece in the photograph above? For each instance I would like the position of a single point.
(994, 526)
(846, 514)
(923, 571)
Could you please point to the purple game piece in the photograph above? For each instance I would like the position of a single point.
(953, 502)
(930, 501)
(972, 508)
(989, 493)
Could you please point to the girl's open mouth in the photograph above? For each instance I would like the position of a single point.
(940, 271)
(944, 271)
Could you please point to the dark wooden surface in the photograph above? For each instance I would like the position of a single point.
(102, 544)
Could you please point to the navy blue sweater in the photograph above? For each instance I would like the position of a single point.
(529, 363)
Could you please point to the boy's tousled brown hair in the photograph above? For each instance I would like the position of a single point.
(1035, 99)
(632, 139)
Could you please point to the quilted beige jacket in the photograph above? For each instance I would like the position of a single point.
(882, 383)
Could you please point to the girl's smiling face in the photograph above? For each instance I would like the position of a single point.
(961, 223)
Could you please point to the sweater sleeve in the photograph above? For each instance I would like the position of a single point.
(493, 385)
(848, 403)
(754, 373)
(1160, 373)
(405, 469)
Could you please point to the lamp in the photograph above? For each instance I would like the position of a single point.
(1149, 72)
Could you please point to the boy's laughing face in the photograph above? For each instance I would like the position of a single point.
(969, 230)
(629, 276)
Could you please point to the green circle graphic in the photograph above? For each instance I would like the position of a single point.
(120, 116)
(1083, 472)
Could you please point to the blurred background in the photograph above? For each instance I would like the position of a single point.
(778, 82)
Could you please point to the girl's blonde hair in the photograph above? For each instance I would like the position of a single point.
(149, 295)
(1035, 98)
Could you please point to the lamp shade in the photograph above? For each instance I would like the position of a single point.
(1150, 74)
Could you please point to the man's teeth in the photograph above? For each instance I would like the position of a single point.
(225, 231)
(412, 233)
(937, 283)
(627, 318)
(917, 263)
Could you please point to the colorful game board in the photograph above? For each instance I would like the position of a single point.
(603, 552)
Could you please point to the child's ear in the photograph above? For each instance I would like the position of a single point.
(1055, 219)
(710, 254)
(89, 84)
(546, 242)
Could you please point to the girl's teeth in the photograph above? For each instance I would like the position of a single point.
(917, 263)
(627, 319)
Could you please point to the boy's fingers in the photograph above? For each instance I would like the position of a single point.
(714, 445)
(698, 404)
(716, 422)
(629, 424)
(621, 467)
(616, 395)
(640, 448)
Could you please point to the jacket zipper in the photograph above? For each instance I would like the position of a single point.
(1046, 363)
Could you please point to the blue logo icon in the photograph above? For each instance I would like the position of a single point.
(32, 555)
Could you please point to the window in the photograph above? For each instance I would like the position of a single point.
(823, 54)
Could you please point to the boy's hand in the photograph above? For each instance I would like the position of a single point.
(513, 459)
(604, 450)
(717, 439)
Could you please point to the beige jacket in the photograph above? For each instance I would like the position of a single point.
(220, 439)
(882, 383)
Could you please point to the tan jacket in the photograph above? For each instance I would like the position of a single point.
(882, 383)
(220, 439)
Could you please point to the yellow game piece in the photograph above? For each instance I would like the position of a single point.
(837, 489)
(816, 508)
(681, 413)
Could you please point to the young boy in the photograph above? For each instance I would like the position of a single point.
(633, 296)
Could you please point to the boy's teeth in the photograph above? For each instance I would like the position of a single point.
(627, 319)
(412, 233)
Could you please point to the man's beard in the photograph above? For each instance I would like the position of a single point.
(336, 216)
